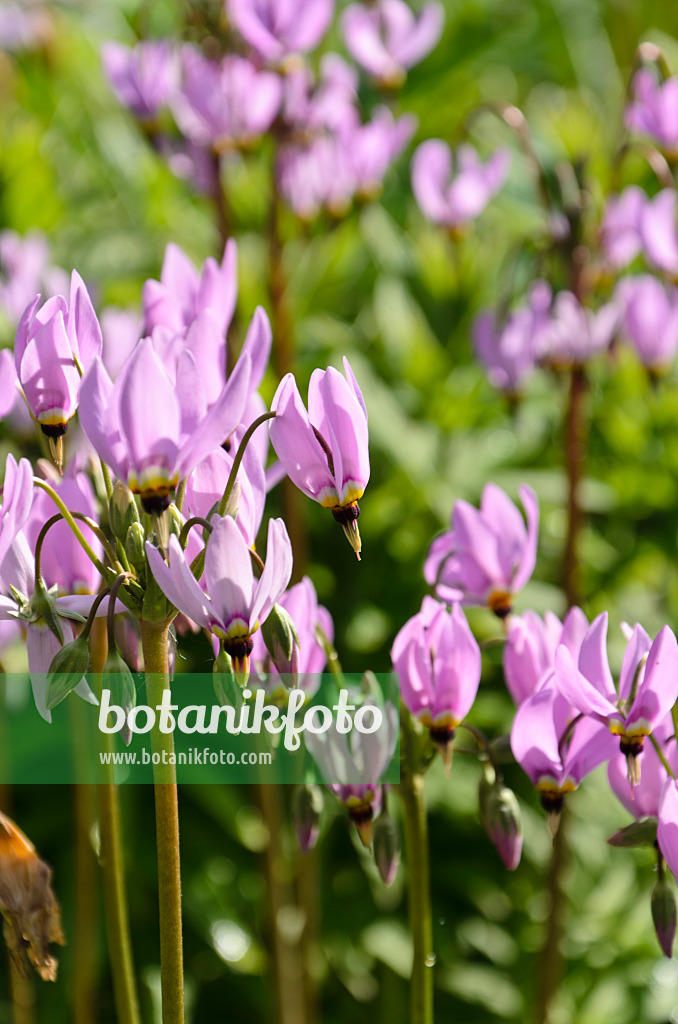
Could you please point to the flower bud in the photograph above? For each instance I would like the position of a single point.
(225, 684)
(118, 678)
(386, 847)
(282, 643)
(68, 666)
(27, 903)
(663, 904)
(307, 806)
(642, 832)
(500, 813)
(233, 503)
(134, 547)
(174, 520)
(122, 510)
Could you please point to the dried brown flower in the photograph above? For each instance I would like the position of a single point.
(27, 903)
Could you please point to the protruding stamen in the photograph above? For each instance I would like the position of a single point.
(347, 517)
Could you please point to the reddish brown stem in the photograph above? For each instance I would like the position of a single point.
(575, 460)
(294, 504)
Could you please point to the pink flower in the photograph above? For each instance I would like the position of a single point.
(643, 800)
(182, 294)
(488, 555)
(648, 685)
(235, 603)
(554, 748)
(144, 77)
(224, 104)
(151, 429)
(54, 344)
(324, 451)
(451, 191)
(654, 108)
(510, 350)
(530, 648)
(438, 661)
(387, 38)
(650, 319)
(277, 28)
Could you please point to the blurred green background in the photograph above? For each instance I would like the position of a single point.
(397, 296)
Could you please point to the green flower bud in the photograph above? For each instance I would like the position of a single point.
(174, 520)
(134, 547)
(117, 677)
(282, 643)
(663, 904)
(386, 847)
(122, 510)
(307, 807)
(642, 832)
(66, 670)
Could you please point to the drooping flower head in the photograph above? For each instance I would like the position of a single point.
(324, 451)
(438, 661)
(387, 38)
(224, 104)
(234, 603)
(510, 349)
(143, 77)
(654, 109)
(278, 28)
(451, 190)
(650, 319)
(54, 344)
(489, 554)
(648, 685)
(556, 747)
(352, 766)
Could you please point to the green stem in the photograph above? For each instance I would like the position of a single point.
(70, 517)
(238, 459)
(181, 494)
(73, 525)
(660, 754)
(108, 483)
(411, 791)
(115, 899)
(113, 869)
(575, 454)
(154, 641)
(551, 959)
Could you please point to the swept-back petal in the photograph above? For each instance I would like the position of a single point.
(228, 572)
(277, 571)
(178, 583)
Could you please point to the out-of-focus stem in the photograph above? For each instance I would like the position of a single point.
(575, 457)
(308, 896)
(288, 965)
(154, 641)
(415, 823)
(551, 961)
(23, 996)
(113, 868)
(87, 911)
(293, 502)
